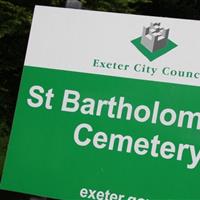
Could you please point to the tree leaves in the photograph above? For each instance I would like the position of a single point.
(13, 19)
(121, 6)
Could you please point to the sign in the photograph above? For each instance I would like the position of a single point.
(108, 108)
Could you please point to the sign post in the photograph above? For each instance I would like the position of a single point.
(73, 4)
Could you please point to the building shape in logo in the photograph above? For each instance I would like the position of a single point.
(154, 42)
(154, 37)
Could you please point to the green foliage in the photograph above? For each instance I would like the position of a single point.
(121, 6)
(3, 147)
(13, 18)
(15, 23)
(170, 8)
(189, 9)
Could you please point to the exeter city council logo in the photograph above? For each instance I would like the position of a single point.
(154, 41)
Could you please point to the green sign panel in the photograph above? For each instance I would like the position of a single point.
(95, 122)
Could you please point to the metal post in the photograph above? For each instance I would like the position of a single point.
(73, 4)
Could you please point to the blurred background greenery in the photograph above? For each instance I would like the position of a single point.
(15, 22)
